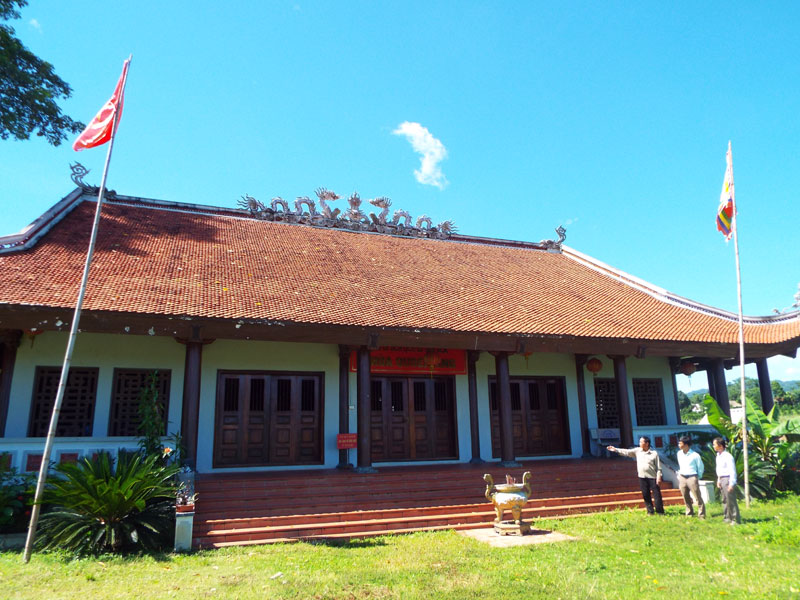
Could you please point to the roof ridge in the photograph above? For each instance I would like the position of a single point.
(668, 297)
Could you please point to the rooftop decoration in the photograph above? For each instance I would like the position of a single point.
(78, 173)
(305, 212)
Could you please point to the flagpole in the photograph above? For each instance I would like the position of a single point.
(741, 338)
(62, 383)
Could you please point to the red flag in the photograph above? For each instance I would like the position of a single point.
(98, 132)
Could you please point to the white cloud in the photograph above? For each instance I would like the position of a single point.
(569, 222)
(430, 149)
(784, 368)
(35, 24)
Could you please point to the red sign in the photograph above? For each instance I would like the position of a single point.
(415, 361)
(346, 441)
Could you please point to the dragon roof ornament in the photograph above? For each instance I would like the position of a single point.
(556, 244)
(353, 218)
(78, 173)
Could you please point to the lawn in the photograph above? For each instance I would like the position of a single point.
(623, 554)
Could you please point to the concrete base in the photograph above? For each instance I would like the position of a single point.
(708, 491)
(512, 528)
(365, 470)
(184, 524)
(537, 536)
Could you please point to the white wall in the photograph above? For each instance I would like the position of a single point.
(108, 352)
(104, 351)
(537, 364)
(240, 355)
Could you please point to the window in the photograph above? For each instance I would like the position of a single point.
(77, 409)
(648, 395)
(605, 396)
(128, 385)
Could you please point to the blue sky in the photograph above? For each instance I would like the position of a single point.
(609, 118)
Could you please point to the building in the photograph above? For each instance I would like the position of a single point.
(273, 331)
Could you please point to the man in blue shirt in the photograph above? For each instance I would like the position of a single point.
(690, 470)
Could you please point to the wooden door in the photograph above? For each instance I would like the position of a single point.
(519, 426)
(539, 416)
(412, 418)
(389, 419)
(242, 418)
(268, 419)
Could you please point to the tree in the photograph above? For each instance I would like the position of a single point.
(29, 88)
(751, 391)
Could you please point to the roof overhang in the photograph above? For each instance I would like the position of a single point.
(183, 327)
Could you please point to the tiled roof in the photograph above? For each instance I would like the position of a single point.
(158, 261)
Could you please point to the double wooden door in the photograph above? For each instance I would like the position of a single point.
(268, 418)
(412, 418)
(539, 418)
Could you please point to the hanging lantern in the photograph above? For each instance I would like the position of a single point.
(687, 367)
(594, 365)
(527, 355)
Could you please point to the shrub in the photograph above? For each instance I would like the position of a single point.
(16, 497)
(97, 508)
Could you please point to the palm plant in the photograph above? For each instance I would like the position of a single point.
(99, 508)
(771, 441)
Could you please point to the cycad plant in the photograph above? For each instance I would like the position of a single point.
(99, 508)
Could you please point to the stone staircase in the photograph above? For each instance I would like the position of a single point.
(269, 507)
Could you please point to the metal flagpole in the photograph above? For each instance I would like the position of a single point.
(741, 338)
(62, 383)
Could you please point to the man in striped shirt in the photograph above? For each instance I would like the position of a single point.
(726, 482)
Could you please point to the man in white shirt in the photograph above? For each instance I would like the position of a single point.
(648, 467)
(690, 470)
(726, 482)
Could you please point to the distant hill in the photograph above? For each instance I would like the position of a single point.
(788, 386)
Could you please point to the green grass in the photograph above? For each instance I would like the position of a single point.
(623, 554)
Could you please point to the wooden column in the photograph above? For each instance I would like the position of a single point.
(764, 385)
(364, 406)
(674, 364)
(190, 411)
(712, 385)
(474, 425)
(580, 362)
(344, 401)
(625, 421)
(720, 385)
(504, 404)
(9, 342)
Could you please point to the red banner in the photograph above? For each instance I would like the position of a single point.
(415, 361)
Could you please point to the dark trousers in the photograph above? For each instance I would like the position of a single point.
(648, 485)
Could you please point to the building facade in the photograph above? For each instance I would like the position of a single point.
(272, 332)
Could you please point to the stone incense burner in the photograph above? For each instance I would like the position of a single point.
(509, 496)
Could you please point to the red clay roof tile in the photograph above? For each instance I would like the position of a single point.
(157, 261)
